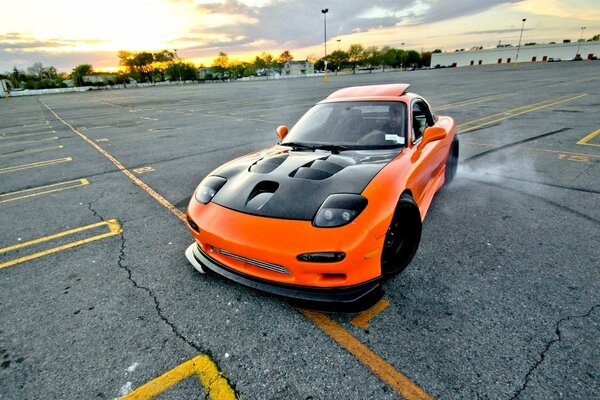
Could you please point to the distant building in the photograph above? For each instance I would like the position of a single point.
(298, 68)
(508, 54)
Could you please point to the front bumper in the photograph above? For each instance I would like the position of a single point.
(349, 294)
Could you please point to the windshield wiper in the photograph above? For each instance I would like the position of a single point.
(334, 148)
(298, 146)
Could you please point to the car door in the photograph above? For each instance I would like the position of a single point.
(428, 161)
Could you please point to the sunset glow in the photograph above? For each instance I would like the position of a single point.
(63, 33)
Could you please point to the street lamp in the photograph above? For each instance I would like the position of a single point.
(339, 40)
(578, 56)
(325, 29)
(519, 47)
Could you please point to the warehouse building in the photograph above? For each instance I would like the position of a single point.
(511, 54)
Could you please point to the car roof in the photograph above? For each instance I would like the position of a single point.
(372, 92)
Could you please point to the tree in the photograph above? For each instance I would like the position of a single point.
(79, 72)
(181, 71)
(594, 38)
(355, 55)
(284, 57)
(336, 60)
(413, 58)
(388, 56)
(36, 70)
(372, 56)
(221, 63)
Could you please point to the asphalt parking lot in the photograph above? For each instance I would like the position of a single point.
(98, 301)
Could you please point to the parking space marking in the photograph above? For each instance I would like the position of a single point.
(492, 119)
(31, 151)
(585, 140)
(114, 228)
(363, 319)
(27, 142)
(561, 153)
(34, 165)
(12, 135)
(40, 190)
(205, 370)
(143, 170)
(385, 371)
(178, 213)
(473, 101)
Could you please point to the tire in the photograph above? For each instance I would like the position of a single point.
(402, 238)
(452, 162)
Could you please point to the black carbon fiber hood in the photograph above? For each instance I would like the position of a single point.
(282, 183)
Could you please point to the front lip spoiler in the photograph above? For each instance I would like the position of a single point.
(342, 295)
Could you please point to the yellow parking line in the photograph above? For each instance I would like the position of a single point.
(27, 142)
(385, 371)
(561, 152)
(473, 101)
(363, 319)
(114, 228)
(589, 137)
(178, 213)
(57, 187)
(34, 165)
(202, 366)
(492, 119)
(31, 151)
(12, 135)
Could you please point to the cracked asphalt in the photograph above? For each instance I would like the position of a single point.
(502, 300)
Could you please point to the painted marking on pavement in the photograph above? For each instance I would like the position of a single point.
(561, 153)
(585, 140)
(27, 142)
(178, 213)
(142, 170)
(363, 319)
(114, 228)
(203, 367)
(31, 151)
(494, 118)
(385, 371)
(34, 165)
(40, 190)
(473, 101)
(12, 135)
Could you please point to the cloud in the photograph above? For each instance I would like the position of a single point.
(296, 24)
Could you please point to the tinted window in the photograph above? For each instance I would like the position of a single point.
(421, 119)
(354, 125)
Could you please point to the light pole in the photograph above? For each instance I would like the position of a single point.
(519, 47)
(339, 40)
(577, 56)
(324, 11)
(325, 29)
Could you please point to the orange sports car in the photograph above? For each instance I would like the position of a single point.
(336, 206)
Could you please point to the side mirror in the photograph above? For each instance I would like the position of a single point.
(282, 131)
(432, 134)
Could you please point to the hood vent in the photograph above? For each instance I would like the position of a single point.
(261, 194)
(268, 165)
(323, 168)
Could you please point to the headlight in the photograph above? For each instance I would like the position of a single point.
(339, 210)
(208, 188)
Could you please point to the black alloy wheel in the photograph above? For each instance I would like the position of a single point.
(402, 238)
(452, 161)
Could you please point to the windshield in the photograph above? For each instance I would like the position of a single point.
(351, 125)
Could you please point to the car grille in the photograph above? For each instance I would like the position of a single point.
(257, 263)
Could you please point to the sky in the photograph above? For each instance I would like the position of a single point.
(66, 33)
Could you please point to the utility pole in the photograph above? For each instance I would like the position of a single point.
(519, 47)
